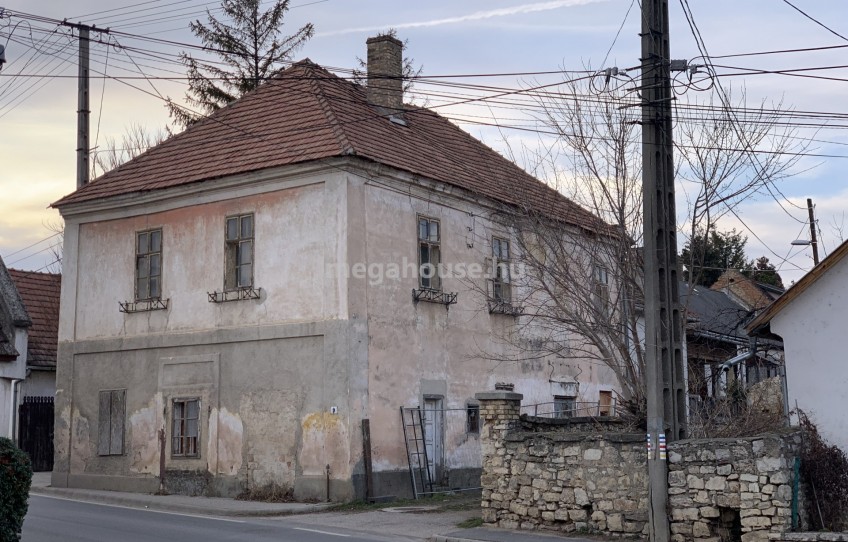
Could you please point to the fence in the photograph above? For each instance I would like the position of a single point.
(35, 431)
(572, 409)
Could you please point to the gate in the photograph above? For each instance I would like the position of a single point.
(35, 431)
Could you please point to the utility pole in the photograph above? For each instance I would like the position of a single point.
(664, 371)
(813, 241)
(83, 110)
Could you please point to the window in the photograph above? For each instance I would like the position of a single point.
(472, 418)
(605, 403)
(110, 422)
(601, 280)
(564, 407)
(501, 280)
(429, 253)
(148, 265)
(185, 429)
(239, 252)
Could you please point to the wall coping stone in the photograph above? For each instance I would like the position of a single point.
(576, 420)
(779, 434)
(809, 537)
(518, 436)
(498, 396)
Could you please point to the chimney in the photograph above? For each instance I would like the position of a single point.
(385, 72)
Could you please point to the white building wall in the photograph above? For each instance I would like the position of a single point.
(813, 327)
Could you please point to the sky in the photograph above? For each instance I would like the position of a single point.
(469, 37)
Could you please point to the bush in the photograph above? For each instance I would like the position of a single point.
(15, 479)
(824, 471)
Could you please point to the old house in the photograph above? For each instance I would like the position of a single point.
(810, 319)
(238, 299)
(29, 314)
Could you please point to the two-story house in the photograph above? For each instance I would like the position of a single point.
(238, 299)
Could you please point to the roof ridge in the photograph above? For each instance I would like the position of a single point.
(347, 147)
(43, 273)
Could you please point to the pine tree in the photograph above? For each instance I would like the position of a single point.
(707, 255)
(762, 270)
(250, 48)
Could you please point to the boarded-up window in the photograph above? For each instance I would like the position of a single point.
(111, 422)
(605, 406)
(185, 428)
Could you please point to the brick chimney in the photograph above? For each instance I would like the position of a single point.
(385, 72)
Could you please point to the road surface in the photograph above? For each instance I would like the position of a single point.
(50, 519)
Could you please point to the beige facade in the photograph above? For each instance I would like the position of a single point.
(283, 382)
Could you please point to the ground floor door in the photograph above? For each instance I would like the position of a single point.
(35, 431)
(434, 437)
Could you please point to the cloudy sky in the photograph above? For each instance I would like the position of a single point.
(468, 37)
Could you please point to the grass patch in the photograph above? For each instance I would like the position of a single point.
(470, 523)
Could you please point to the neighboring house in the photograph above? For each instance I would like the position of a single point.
(40, 295)
(811, 319)
(753, 295)
(14, 328)
(715, 334)
(242, 296)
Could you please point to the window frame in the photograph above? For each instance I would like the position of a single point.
(601, 288)
(564, 406)
(472, 418)
(106, 430)
(184, 438)
(434, 282)
(501, 283)
(232, 248)
(148, 255)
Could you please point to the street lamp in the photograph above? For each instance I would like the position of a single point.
(807, 242)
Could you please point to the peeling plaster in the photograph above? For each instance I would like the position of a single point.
(226, 440)
(325, 442)
(144, 436)
(81, 447)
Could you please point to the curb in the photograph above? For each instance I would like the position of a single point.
(440, 538)
(143, 504)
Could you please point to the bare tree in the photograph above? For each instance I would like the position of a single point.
(581, 287)
(135, 141)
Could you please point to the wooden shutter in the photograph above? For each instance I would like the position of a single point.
(103, 423)
(116, 425)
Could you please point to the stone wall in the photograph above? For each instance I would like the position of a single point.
(541, 478)
(732, 488)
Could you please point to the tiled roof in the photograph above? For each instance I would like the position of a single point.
(750, 292)
(40, 294)
(307, 114)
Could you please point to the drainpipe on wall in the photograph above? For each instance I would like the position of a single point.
(13, 411)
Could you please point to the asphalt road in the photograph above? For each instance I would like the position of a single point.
(52, 519)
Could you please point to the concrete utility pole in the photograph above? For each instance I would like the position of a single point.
(664, 371)
(83, 110)
(813, 241)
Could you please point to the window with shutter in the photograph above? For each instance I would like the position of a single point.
(111, 422)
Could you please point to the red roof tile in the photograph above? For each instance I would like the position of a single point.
(307, 113)
(40, 294)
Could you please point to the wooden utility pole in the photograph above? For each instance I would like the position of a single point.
(813, 240)
(83, 110)
(664, 371)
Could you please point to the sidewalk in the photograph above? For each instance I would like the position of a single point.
(210, 506)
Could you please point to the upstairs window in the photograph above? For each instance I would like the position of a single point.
(148, 265)
(185, 428)
(429, 253)
(501, 290)
(564, 407)
(239, 252)
(601, 289)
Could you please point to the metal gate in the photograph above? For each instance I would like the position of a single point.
(35, 431)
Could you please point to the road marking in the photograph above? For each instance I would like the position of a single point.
(140, 509)
(320, 532)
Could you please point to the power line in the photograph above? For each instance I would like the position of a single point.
(810, 17)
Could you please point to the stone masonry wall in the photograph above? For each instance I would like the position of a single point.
(720, 486)
(720, 490)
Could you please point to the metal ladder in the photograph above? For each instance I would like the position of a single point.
(416, 451)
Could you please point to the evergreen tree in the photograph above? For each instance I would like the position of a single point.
(762, 270)
(250, 47)
(708, 254)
